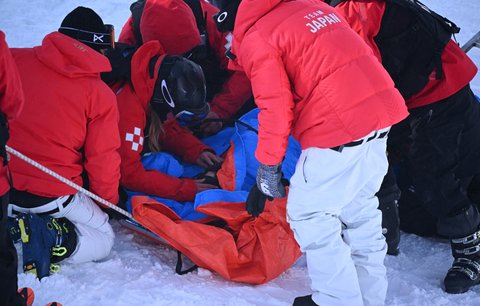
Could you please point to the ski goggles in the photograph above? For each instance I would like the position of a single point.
(190, 119)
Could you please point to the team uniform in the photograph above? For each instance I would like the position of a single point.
(69, 124)
(339, 103)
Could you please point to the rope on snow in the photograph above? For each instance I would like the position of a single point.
(68, 182)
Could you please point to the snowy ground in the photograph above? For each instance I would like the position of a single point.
(139, 272)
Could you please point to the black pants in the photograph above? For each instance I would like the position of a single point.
(8, 262)
(439, 149)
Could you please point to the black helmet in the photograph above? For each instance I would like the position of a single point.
(180, 88)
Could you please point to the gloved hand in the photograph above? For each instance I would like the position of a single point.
(256, 201)
(269, 180)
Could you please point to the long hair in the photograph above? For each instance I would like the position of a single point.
(154, 131)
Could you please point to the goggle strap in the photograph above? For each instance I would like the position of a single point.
(106, 40)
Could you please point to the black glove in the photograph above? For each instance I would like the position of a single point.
(256, 201)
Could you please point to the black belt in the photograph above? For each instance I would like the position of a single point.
(55, 210)
(361, 141)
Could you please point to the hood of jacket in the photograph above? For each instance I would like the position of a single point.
(145, 65)
(70, 57)
(249, 11)
(172, 23)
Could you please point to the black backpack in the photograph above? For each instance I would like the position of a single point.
(411, 41)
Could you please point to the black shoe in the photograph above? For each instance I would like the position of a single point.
(304, 301)
(465, 270)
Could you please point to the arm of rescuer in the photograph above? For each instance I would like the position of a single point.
(181, 142)
(11, 102)
(102, 160)
(135, 177)
(273, 96)
(11, 92)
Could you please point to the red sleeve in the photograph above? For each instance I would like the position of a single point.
(11, 92)
(11, 97)
(272, 92)
(181, 142)
(134, 175)
(102, 160)
(236, 90)
(365, 18)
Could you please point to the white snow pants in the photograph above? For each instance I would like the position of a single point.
(95, 234)
(333, 212)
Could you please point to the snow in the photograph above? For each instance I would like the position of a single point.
(140, 272)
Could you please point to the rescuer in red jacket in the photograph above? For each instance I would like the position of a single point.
(165, 95)
(439, 143)
(11, 102)
(188, 28)
(69, 124)
(339, 103)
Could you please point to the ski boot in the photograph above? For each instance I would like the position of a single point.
(465, 270)
(45, 241)
(304, 301)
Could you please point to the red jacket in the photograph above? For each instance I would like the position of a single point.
(69, 122)
(11, 98)
(133, 104)
(305, 79)
(178, 33)
(365, 18)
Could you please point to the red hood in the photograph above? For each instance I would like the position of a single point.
(172, 23)
(143, 82)
(249, 11)
(70, 57)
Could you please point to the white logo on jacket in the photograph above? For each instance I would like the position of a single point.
(136, 138)
(318, 20)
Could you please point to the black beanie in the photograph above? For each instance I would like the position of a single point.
(84, 25)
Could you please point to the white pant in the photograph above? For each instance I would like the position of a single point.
(95, 234)
(333, 212)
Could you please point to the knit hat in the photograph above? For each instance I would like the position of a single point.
(84, 25)
(172, 23)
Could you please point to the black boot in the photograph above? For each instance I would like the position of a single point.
(304, 301)
(465, 270)
(388, 197)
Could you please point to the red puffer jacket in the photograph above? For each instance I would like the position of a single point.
(365, 17)
(11, 98)
(69, 122)
(133, 104)
(312, 76)
(173, 24)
